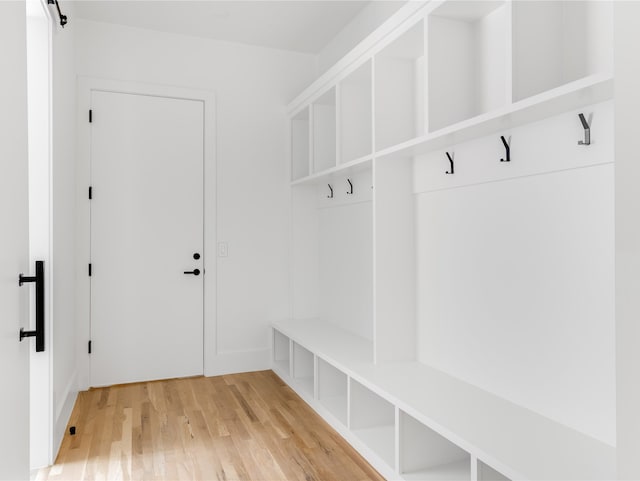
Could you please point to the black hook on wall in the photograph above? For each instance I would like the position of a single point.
(63, 17)
(350, 191)
(330, 189)
(507, 149)
(451, 162)
(587, 131)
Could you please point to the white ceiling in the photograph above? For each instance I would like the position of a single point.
(298, 25)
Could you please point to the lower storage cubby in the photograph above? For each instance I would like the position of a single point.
(332, 390)
(372, 420)
(281, 353)
(487, 473)
(426, 455)
(303, 369)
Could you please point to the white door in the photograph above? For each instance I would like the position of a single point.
(14, 247)
(147, 159)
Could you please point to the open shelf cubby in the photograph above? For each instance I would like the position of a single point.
(426, 455)
(303, 369)
(324, 131)
(281, 352)
(300, 145)
(372, 420)
(356, 114)
(558, 42)
(469, 60)
(400, 89)
(332, 390)
(487, 473)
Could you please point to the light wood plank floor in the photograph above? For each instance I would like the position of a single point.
(237, 427)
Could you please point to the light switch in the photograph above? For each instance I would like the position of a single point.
(223, 249)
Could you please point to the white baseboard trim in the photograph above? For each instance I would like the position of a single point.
(237, 362)
(63, 414)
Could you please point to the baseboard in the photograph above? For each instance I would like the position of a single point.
(63, 414)
(237, 362)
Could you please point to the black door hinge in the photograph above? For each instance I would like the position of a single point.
(90, 270)
(89, 348)
(90, 115)
(90, 192)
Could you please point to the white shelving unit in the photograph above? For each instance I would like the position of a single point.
(324, 131)
(300, 145)
(333, 390)
(400, 89)
(372, 419)
(469, 60)
(426, 455)
(281, 353)
(378, 320)
(487, 473)
(576, 43)
(304, 369)
(356, 114)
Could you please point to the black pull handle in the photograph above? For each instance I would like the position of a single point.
(195, 272)
(39, 281)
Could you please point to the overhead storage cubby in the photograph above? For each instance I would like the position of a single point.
(426, 455)
(332, 390)
(356, 114)
(557, 42)
(469, 60)
(324, 131)
(303, 369)
(400, 89)
(373, 421)
(487, 473)
(281, 352)
(300, 145)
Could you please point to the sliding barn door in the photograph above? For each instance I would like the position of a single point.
(14, 247)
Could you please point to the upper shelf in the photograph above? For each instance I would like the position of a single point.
(590, 90)
(452, 71)
(587, 91)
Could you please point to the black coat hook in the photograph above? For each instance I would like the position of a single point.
(507, 148)
(451, 162)
(587, 131)
(350, 191)
(331, 189)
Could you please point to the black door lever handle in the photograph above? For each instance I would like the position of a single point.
(195, 272)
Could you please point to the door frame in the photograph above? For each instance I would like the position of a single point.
(86, 85)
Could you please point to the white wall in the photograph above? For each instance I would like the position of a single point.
(252, 86)
(65, 359)
(627, 145)
(364, 23)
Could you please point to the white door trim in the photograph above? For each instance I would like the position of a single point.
(83, 234)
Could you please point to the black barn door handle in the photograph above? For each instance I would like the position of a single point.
(195, 272)
(39, 281)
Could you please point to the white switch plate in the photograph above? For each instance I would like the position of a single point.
(223, 249)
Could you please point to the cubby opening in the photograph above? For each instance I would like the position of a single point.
(324, 131)
(557, 42)
(303, 369)
(469, 49)
(426, 455)
(372, 419)
(487, 473)
(355, 114)
(300, 145)
(281, 352)
(400, 89)
(332, 390)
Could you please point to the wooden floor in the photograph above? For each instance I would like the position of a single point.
(238, 427)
